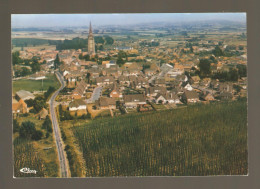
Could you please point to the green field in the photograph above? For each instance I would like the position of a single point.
(32, 85)
(194, 141)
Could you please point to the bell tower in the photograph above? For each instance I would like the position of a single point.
(91, 42)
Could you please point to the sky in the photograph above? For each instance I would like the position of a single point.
(72, 20)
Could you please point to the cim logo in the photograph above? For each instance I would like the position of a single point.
(27, 170)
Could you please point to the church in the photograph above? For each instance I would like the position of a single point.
(91, 42)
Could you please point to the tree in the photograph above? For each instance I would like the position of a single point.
(109, 40)
(121, 55)
(81, 57)
(39, 103)
(37, 135)
(27, 129)
(15, 58)
(99, 39)
(35, 67)
(25, 71)
(29, 102)
(204, 66)
(242, 70)
(233, 75)
(16, 126)
(87, 57)
(217, 51)
(88, 76)
(57, 62)
(50, 90)
(47, 125)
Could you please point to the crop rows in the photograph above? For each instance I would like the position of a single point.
(26, 157)
(193, 141)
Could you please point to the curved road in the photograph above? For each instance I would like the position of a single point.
(57, 135)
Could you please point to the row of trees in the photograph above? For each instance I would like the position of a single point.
(80, 43)
(24, 71)
(232, 75)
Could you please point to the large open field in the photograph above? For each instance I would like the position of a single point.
(32, 85)
(194, 141)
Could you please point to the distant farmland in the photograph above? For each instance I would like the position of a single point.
(194, 141)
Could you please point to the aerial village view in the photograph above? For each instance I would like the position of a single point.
(130, 97)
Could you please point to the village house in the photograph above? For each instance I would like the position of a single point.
(124, 80)
(153, 91)
(78, 107)
(195, 79)
(19, 107)
(225, 96)
(133, 100)
(43, 113)
(106, 103)
(115, 93)
(206, 96)
(105, 80)
(167, 98)
(187, 86)
(190, 97)
(80, 90)
(160, 82)
(225, 87)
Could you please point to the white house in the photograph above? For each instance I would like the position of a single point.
(188, 87)
(77, 105)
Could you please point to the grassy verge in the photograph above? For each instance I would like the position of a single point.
(74, 155)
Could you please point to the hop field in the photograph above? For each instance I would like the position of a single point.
(194, 141)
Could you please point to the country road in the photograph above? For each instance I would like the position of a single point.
(57, 135)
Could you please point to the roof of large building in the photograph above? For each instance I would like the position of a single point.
(25, 94)
(191, 94)
(134, 98)
(104, 101)
(76, 103)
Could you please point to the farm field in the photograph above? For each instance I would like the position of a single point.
(194, 141)
(32, 85)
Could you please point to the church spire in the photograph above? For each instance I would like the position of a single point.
(90, 28)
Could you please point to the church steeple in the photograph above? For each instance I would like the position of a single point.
(90, 28)
(91, 41)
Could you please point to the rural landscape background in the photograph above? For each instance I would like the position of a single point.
(99, 95)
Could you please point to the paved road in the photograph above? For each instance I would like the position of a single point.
(60, 149)
(95, 95)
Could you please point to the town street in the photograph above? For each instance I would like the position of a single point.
(57, 135)
(95, 95)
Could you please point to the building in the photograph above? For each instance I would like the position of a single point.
(190, 97)
(79, 91)
(43, 113)
(76, 105)
(106, 103)
(133, 100)
(24, 95)
(167, 98)
(91, 42)
(115, 93)
(19, 107)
